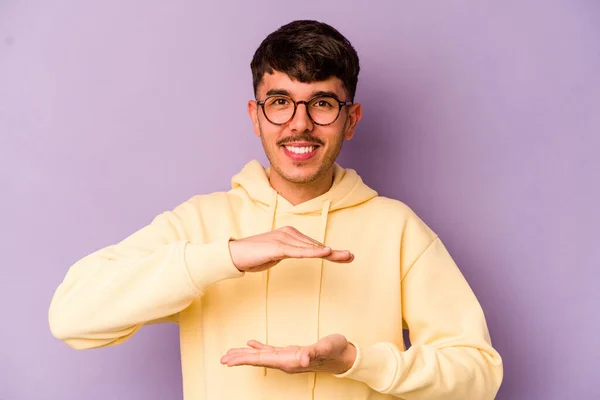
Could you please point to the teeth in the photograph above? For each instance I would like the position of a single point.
(300, 150)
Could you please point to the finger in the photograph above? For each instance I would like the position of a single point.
(257, 359)
(242, 350)
(236, 352)
(258, 345)
(300, 236)
(297, 240)
(288, 251)
(306, 355)
(340, 256)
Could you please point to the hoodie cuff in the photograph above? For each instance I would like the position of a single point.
(210, 263)
(375, 365)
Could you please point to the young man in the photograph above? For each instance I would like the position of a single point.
(296, 283)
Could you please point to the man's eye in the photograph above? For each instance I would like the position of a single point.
(323, 103)
(278, 102)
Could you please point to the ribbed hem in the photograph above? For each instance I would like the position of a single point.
(210, 263)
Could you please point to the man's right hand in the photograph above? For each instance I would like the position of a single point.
(261, 252)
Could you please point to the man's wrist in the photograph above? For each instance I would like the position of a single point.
(229, 245)
(348, 357)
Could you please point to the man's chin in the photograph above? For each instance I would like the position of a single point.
(300, 174)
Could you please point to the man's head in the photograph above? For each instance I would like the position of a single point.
(304, 61)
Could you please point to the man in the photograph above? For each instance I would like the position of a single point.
(296, 283)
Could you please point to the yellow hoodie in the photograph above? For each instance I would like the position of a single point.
(178, 268)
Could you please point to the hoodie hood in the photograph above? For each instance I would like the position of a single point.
(347, 190)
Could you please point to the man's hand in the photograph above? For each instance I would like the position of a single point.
(331, 354)
(260, 252)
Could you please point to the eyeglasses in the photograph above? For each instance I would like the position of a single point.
(322, 110)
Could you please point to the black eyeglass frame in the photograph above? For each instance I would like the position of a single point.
(341, 105)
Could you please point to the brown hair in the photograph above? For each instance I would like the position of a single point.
(307, 51)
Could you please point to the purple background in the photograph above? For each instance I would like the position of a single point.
(483, 118)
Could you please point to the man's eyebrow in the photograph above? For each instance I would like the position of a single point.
(284, 92)
(280, 92)
(325, 93)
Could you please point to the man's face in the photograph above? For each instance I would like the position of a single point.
(301, 151)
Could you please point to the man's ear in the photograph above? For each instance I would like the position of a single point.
(354, 115)
(253, 114)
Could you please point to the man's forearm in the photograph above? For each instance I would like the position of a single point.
(423, 372)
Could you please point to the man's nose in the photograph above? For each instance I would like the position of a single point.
(301, 121)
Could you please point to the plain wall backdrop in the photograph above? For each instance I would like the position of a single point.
(483, 117)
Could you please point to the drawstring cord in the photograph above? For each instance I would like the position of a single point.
(270, 227)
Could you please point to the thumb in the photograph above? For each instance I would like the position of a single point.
(306, 355)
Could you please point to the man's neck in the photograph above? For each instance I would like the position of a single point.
(298, 193)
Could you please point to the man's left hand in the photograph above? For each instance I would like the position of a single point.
(331, 354)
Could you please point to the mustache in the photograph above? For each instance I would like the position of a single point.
(302, 138)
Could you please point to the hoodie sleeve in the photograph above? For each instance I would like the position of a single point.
(451, 356)
(148, 277)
